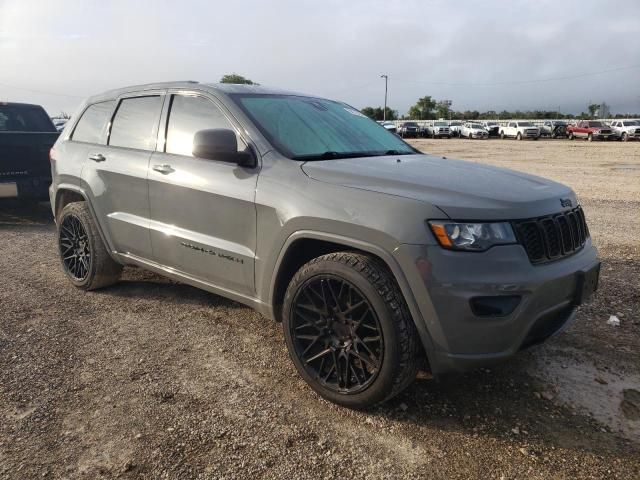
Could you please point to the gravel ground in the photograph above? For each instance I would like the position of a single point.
(155, 379)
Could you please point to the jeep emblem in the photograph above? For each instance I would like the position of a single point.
(565, 202)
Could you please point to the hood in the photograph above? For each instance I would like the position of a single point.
(463, 190)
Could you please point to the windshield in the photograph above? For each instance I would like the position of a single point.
(455, 124)
(596, 124)
(525, 124)
(306, 128)
(492, 124)
(631, 123)
(477, 126)
(441, 124)
(410, 124)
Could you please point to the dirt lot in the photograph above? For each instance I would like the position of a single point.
(153, 379)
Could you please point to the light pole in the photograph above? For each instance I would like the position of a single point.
(384, 112)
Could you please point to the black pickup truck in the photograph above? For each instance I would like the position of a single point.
(26, 136)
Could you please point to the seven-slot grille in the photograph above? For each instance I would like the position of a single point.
(554, 236)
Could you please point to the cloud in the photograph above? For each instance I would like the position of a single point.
(331, 48)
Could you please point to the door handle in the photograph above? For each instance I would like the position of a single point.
(98, 157)
(164, 169)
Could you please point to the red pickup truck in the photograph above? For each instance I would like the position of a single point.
(591, 130)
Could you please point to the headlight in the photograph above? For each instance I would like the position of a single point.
(472, 236)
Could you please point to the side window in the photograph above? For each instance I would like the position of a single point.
(135, 123)
(89, 128)
(188, 115)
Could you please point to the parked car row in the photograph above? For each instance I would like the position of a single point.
(590, 130)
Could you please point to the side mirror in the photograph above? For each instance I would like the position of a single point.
(220, 144)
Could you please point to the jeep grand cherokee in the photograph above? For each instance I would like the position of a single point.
(377, 259)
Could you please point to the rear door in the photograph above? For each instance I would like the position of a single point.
(203, 216)
(116, 174)
(88, 134)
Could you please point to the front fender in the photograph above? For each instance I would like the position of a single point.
(385, 254)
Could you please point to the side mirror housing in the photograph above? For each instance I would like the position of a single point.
(220, 144)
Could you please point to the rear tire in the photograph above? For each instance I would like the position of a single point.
(571, 137)
(502, 137)
(470, 136)
(84, 257)
(331, 303)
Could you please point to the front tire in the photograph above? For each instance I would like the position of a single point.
(624, 137)
(590, 137)
(348, 330)
(84, 257)
(502, 137)
(518, 136)
(571, 136)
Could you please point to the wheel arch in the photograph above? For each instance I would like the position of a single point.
(66, 194)
(303, 246)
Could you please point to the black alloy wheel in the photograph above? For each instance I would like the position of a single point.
(74, 248)
(336, 334)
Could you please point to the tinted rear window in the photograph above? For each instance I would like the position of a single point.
(135, 123)
(93, 120)
(24, 118)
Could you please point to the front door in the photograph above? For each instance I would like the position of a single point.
(203, 216)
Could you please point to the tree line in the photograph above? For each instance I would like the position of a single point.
(427, 108)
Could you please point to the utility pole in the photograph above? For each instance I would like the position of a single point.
(384, 112)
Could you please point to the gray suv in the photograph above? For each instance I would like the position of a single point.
(379, 261)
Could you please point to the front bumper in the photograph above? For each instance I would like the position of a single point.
(479, 135)
(444, 283)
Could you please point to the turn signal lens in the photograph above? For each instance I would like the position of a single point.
(441, 235)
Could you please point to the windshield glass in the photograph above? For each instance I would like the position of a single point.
(476, 126)
(596, 124)
(492, 124)
(455, 124)
(631, 123)
(306, 128)
(525, 124)
(441, 124)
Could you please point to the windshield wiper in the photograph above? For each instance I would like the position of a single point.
(331, 155)
(397, 152)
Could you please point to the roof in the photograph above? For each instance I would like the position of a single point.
(20, 104)
(226, 88)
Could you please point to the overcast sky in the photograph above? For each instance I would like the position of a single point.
(477, 53)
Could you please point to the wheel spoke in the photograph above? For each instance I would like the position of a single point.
(336, 303)
(371, 339)
(319, 355)
(365, 359)
(351, 308)
(355, 374)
